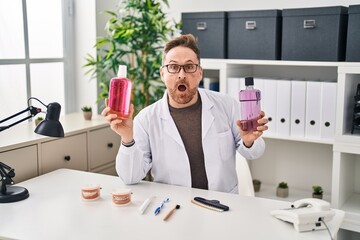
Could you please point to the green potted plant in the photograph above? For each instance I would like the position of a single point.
(257, 185)
(87, 112)
(317, 192)
(135, 34)
(38, 120)
(282, 190)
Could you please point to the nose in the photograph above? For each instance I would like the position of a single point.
(182, 73)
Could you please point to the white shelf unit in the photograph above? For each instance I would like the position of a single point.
(302, 162)
(346, 170)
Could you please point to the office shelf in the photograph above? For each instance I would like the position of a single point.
(299, 139)
(302, 162)
(351, 207)
(269, 191)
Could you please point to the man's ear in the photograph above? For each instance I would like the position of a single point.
(200, 73)
(162, 73)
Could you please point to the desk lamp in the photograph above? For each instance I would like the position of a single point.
(49, 127)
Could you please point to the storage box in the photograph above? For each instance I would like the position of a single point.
(314, 34)
(353, 35)
(254, 34)
(210, 29)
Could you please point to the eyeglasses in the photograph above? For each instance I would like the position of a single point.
(175, 68)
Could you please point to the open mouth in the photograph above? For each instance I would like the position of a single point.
(182, 88)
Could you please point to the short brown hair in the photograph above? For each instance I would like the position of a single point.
(187, 40)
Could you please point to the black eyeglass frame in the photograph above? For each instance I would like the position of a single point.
(181, 67)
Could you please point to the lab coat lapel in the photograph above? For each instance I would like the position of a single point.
(207, 116)
(169, 125)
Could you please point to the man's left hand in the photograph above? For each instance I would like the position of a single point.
(249, 137)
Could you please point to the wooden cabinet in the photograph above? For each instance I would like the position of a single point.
(87, 146)
(23, 160)
(108, 170)
(301, 161)
(68, 152)
(103, 147)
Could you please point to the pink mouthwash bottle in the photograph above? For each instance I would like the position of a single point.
(120, 94)
(250, 105)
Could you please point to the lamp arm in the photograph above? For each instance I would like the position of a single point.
(6, 174)
(33, 111)
(3, 165)
(2, 171)
(16, 114)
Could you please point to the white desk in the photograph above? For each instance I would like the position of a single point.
(55, 210)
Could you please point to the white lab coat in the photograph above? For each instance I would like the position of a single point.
(158, 145)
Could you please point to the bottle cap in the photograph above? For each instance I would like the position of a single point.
(122, 72)
(249, 81)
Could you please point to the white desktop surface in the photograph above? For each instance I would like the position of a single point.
(55, 210)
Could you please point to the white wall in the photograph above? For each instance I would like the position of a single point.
(85, 37)
(89, 24)
(101, 17)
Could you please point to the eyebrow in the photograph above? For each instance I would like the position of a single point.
(175, 62)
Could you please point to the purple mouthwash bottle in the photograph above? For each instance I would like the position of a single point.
(250, 105)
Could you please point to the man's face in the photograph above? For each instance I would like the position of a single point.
(182, 86)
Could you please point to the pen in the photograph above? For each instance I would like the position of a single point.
(145, 204)
(157, 210)
(171, 212)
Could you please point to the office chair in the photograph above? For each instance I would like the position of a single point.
(245, 186)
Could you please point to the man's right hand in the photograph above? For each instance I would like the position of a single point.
(123, 127)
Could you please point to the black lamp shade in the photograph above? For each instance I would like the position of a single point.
(51, 126)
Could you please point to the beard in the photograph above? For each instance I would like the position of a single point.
(182, 93)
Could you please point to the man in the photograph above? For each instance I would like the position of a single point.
(191, 135)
